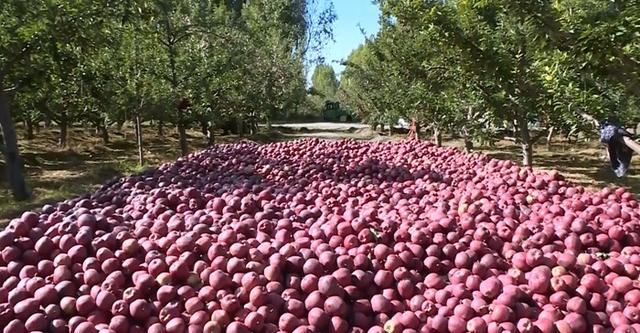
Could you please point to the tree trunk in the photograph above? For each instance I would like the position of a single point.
(211, 139)
(12, 157)
(525, 140)
(204, 127)
(253, 123)
(418, 128)
(29, 128)
(527, 154)
(437, 137)
(64, 127)
(240, 126)
(550, 136)
(268, 123)
(160, 128)
(182, 133)
(226, 128)
(138, 130)
(468, 143)
(104, 132)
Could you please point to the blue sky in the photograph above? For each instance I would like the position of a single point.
(346, 32)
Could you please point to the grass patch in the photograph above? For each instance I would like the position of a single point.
(129, 168)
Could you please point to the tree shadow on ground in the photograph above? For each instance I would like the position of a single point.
(53, 159)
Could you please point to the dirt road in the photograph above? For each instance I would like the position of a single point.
(323, 126)
(327, 130)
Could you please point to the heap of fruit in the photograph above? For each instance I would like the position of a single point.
(327, 236)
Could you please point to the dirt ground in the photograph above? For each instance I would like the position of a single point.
(56, 174)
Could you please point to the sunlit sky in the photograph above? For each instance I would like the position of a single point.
(352, 15)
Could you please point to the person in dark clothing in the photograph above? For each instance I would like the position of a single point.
(619, 153)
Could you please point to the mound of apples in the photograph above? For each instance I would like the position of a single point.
(327, 236)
